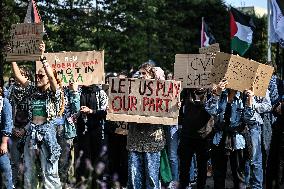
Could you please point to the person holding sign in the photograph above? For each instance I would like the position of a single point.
(232, 115)
(194, 136)
(144, 143)
(44, 100)
(6, 122)
(254, 171)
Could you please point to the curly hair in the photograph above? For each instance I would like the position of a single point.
(26, 72)
(59, 82)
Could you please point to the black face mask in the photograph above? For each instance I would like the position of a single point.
(198, 103)
(199, 92)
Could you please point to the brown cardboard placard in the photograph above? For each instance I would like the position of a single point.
(143, 101)
(193, 70)
(241, 73)
(262, 79)
(24, 42)
(214, 48)
(85, 68)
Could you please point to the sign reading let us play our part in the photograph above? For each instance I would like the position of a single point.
(144, 101)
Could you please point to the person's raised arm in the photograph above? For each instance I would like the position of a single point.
(19, 77)
(48, 70)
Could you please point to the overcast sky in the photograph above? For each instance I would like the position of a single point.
(240, 3)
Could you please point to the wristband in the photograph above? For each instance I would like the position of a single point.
(42, 59)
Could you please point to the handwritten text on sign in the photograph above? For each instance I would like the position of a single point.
(193, 70)
(85, 68)
(144, 98)
(241, 73)
(25, 41)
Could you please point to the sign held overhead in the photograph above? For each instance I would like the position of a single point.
(241, 73)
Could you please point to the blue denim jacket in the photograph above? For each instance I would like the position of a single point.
(73, 100)
(260, 105)
(216, 106)
(6, 117)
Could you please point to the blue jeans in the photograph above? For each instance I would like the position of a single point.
(172, 147)
(143, 166)
(254, 172)
(193, 169)
(6, 170)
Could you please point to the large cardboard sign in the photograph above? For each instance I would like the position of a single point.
(25, 41)
(241, 73)
(193, 70)
(85, 67)
(144, 101)
(214, 48)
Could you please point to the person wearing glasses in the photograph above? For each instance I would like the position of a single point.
(144, 145)
(6, 124)
(45, 100)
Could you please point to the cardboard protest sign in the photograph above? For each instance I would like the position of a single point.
(193, 70)
(85, 67)
(144, 101)
(121, 128)
(25, 41)
(210, 49)
(241, 73)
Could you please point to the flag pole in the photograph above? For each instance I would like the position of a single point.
(202, 31)
(268, 33)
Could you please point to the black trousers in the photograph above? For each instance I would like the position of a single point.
(187, 148)
(118, 157)
(275, 163)
(219, 163)
(91, 149)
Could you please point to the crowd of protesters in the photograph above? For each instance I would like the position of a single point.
(58, 137)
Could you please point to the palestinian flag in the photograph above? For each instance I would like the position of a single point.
(207, 37)
(32, 15)
(242, 28)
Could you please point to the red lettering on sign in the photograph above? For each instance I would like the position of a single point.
(170, 90)
(124, 103)
(159, 103)
(120, 103)
(167, 104)
(151, 104)
(133, 103)
(145, 102)
(177, 89)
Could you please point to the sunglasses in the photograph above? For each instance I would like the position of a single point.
(11, 81)
(142, 73)
(40, 76)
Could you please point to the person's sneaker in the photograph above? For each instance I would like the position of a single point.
(192, 183)
(189, 186)
(173, 185)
